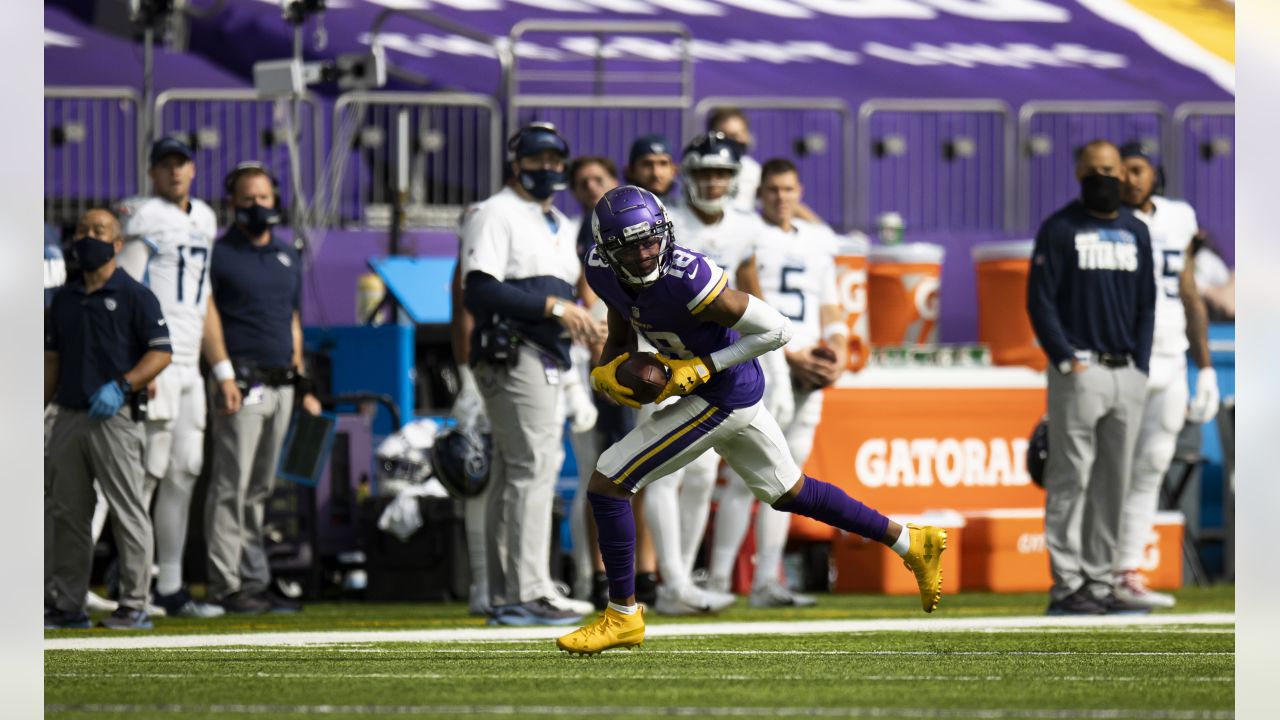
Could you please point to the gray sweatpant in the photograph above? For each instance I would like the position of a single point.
(80, 449)
(1094, 418)
(528, 424)
(246, 450)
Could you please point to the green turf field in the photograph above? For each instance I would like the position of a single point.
(1182, 671)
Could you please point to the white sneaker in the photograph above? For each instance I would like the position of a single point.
(94, 602)
(775, 595)
(1131, 589)
(560, 602)
(155, 610)
(691, 600)
(718, 584)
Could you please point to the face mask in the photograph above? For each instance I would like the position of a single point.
(93, 253)
(1100, 193)
(542, 184)
(257, 219)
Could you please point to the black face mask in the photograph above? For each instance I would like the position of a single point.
(256, 219)
(1100, 193)
(542, 184)
(92, 253)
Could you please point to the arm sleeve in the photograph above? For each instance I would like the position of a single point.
(1047, 267)
(149, 324)
(1144, 329)
(762, 329)
(484, 294)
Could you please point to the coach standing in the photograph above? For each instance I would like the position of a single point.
(1091, 297)
(253, 339)
(105, 339)
(519, 271)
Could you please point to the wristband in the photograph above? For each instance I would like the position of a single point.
(835, 329)
(223, 371)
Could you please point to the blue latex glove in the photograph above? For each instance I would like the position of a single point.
(106, 401)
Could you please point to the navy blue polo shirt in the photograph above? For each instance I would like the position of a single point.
(100, 336)
(257, 289)
(1092, 285)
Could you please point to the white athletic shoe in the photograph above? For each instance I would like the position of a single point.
(775, 595)
(691, 600)
(718, 584)
(94, 602)
(578, 607)
(1131, 590)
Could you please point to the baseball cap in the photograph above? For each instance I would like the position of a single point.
(166, 146)
(1136, 149)
(536, 137)
(655, 144)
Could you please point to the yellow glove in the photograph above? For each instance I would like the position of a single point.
(604, 379)
(684, 376)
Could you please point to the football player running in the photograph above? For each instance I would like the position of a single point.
(1181, 323)
(710, 337)
(676, 507)
(168, 241)
(796, 263)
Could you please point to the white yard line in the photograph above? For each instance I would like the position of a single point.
(630, 710)
(797, 627)
(637, 676)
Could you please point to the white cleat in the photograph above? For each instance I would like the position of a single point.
(94, 603)
(578, 607)
(691, 600)
(1131, 590)
(774, 595)
(717, 584)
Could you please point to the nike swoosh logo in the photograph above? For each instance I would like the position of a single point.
(693, 272)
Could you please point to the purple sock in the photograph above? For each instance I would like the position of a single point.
(831, 505)
(616, 534)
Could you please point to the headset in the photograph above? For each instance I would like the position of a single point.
(229, 182)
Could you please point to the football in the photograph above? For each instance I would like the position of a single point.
(644, 375)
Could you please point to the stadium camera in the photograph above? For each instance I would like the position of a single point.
(362, 70)
(279, 78)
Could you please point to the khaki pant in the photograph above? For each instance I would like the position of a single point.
(1094, 418)
(82, 448)
(246, 451)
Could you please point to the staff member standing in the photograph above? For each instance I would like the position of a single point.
(519, 271)
(1091, 297)
(105, 339)
(253, 339)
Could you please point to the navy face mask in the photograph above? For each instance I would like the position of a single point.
(92, 252)
(542, 184)
(257, 219)
(1100, 193)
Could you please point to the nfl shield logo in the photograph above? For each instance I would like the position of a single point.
(110, 303)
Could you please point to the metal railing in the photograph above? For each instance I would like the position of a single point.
(93, 149)
(452, 143)
(1050, 133)
(1201, 167)
(228, 127)
(815, 133)
(941, 164)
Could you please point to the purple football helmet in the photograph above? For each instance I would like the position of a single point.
(633, 234)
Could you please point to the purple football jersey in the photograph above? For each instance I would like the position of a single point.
(667, 315)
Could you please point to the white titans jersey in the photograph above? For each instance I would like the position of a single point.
(748, 184)
(177, 270)
(728, 243)
(1172, 225)
(509, 238)
(798, 276)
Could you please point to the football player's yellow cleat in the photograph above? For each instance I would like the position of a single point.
(611, 630)
(924, 558)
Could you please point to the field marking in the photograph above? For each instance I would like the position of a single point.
(776, 627)
(348, 649)
(633, 676)
(630, 710)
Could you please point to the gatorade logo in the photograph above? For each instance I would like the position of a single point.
(1031, 543)
(948, 462)
(852, 285)
(925, 296)
(1150, 559)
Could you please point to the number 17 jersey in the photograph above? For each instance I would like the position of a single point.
(668, 315)
(178, 269)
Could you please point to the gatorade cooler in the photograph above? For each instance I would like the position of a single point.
(1003, 323)
(851, 283)
(902, 284)
(863, 565)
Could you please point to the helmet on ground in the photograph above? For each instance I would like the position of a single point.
(461, 461)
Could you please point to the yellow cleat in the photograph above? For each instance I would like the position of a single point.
(924, 558)
(611, 630)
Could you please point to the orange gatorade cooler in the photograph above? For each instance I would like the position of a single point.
(1003, 323)
(851, 284)
(864, 565)
(902, 284)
